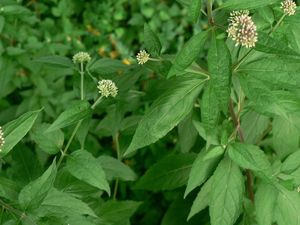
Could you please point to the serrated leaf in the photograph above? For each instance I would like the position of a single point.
(59, 61)
(188, 54)
(151, 41)
(268, 44)
(227, 195)
(209, 109)
(113, 168)
(33, 194)
(118, 212)
(50, 142)
(202, 200)
(200, 171)
(82, 165)
(15, 130)
(249, 157)
(166, 112)
(265, 200)
(169, 173)
(195, 9)
(61, 204)
(246, 4)
(291, 163)
(73, 114)
(219, 67)
(288, 207)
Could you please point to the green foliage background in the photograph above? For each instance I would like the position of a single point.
(206, 133)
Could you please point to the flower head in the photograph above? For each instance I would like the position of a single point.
(242, 29)
(142, 57)
(107, 88)
(81, 57)
(288, 7)
(2, 141)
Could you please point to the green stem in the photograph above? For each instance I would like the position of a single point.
(69, 143)
(248, 53)
(97, 102)
(209, 12)
(116, 140)
(82, 81)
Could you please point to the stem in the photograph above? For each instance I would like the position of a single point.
(81, 83)
(69, 143)
(248, 53)
(116, 140)
(209, 12)
(236, 123)
(97, 102)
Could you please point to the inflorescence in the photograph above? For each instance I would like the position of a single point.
(107, 88)
(142, 57)
(288, 7)
(242, 29)
(81, 57)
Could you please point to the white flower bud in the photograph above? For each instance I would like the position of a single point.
(242, 29)
(2, 141)
(107, 88)
(288, 7)
(81, 57)
(142, 57)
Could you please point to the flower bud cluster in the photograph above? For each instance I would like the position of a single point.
(288, 7)
(242, 29)
(107, 88)
(81, 57)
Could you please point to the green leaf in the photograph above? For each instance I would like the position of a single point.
(201, 170)
(268, 44)
(33, 194)
(202, 200)
(169, 173)
(50, 142)
(288, 208)
(246, 4)
(188, 54)
(227, 194)
(249, 157)
(285, 136)
(113, 168)
(14, 10)
(166, 112)
(275, 70)
(265, 201)
(15, 130)
(8, 189)
(107, 66)
(73, 114)
(118, 212)
(82, 165)
(2, 23)
(60, 204)
(151, 41)
(187, 134)
(55, 60)
(219, 67)
(195, 9)
(209, 109)
(291, 163)
(214, 153)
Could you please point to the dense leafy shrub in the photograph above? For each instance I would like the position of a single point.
(202, 129)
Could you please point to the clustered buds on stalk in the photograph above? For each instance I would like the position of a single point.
(107, 88)
(142, 57)
(288, 7)
(242, 29)
(81, 57)
(2, 141)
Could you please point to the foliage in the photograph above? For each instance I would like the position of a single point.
(205, 131)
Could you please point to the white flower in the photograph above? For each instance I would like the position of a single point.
(81, 57)
(288, 7)
(142, 57)
(2, 141)
(242, 29)
(107, 88)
